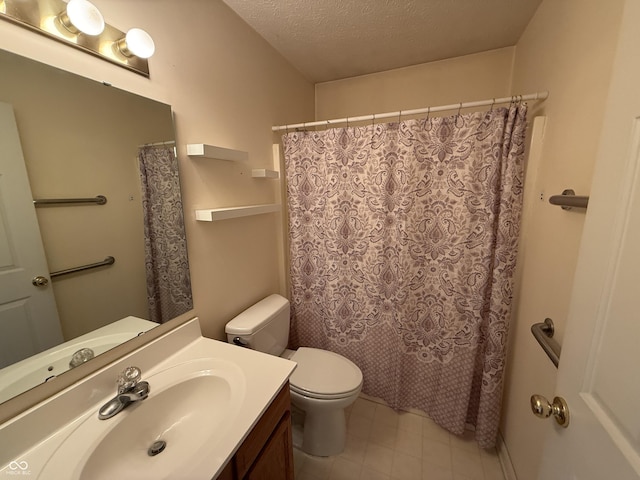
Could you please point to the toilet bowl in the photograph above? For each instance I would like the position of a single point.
(323, 384)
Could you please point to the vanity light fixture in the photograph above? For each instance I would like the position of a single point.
(137, 43)
(82, 16)
(82, 26)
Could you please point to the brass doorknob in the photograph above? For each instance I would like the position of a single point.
(40, 281)
(541, 408)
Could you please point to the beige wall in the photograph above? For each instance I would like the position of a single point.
(472, 77)
(567, 49)
(227, 88)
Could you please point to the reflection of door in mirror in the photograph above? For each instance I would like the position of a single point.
(28, 315)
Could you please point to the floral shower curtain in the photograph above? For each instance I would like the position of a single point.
(166, 262)
(403, 240)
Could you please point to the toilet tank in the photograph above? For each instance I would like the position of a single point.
(263, 326)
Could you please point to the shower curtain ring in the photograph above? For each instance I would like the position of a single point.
(428, 112)
(399, 116)
(459, 108)
(492, 104)
(347, 122)
(373, 120)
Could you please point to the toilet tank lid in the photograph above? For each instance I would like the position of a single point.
(257, 316)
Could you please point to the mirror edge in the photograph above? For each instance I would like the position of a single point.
(23, 402)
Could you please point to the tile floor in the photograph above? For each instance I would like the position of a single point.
(385, 445)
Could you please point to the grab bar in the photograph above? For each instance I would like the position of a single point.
(107, 261)
(543, 333)
(99, 200)
(569, 199)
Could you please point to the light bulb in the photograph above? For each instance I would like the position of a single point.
(82, 16)
(136, 42)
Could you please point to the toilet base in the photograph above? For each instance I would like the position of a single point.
(297, 436)
(325, 433)
(325, 426)
(297, 426)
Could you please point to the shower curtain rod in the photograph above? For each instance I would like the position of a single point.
(157, 144)
(419, 111)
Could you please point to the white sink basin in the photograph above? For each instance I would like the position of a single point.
(190, 407)
(33, 371)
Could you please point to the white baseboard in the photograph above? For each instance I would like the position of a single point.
(505, 461)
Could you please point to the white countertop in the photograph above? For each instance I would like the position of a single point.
(31, 438)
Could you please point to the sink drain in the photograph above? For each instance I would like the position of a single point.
(156, 448)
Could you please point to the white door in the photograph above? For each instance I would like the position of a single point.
(599, 372)
(28, 316)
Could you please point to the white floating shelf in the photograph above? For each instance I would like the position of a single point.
(264, 173)
(214, 214)
(218, 153)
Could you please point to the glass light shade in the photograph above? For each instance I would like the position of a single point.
(137, 42)
(83, 16)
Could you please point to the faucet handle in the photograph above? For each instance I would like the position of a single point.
(81, 356)
(128, 379)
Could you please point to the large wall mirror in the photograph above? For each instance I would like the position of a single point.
(81, 139)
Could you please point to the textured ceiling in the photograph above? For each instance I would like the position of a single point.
(332, 39)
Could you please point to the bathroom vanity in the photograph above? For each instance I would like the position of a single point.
(219, 410)
(267, 452)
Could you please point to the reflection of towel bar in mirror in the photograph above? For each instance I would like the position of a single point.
(98, 200)
(107, 261)
(569, 199)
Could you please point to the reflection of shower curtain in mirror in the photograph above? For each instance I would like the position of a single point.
(167, 265)
(403, 244)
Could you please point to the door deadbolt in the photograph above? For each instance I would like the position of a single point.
(541, 408)
(40, 281)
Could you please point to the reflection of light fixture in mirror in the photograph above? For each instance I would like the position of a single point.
(82, 16)
(136, 42)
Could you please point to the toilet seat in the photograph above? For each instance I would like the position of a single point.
(319, 396)
(324, 375)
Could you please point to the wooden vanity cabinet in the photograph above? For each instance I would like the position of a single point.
(267, 452)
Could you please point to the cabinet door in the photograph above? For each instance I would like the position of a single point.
(275, 461)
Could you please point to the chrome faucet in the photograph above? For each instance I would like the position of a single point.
(81, 356)
(130, 390)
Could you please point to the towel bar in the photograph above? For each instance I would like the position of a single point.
(569, 199)
(543, 333)
(107, 261)
(98, 200)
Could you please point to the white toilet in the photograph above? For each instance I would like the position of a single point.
(322, 385)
